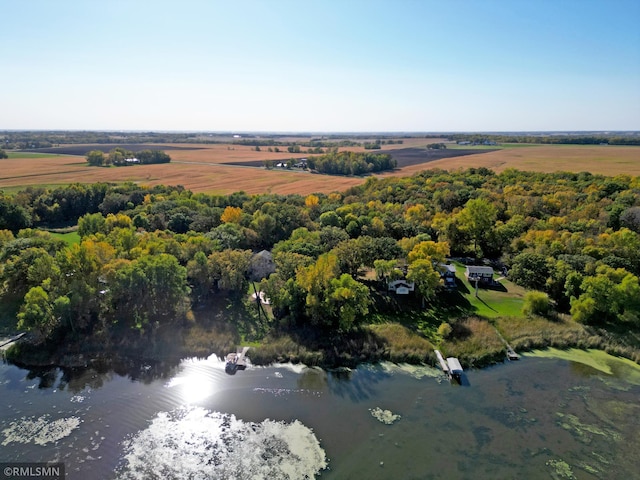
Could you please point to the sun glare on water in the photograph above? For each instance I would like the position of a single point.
(197, 381)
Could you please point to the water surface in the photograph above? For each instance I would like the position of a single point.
(541, 417)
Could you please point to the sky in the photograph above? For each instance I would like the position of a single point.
(320, 65)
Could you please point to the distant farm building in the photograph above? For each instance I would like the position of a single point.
(480, 274)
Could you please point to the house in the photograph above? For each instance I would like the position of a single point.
(480, 274)
(262, 265)
(401, 287)
(448, 276)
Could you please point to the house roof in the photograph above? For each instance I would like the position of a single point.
(400, 282)
(448, 267)
(264, 254)
(479, 270)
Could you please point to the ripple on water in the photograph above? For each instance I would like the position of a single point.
(197, 443)
(39, 430)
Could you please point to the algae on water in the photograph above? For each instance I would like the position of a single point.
(561, 470)
(384, 416)
(585, 432)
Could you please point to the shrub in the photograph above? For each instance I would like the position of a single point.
(536, 303)
(444, 330)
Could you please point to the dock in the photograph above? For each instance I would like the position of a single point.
(511, 353)
(11, 340)
(443, 362)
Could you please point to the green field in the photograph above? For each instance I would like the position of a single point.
(30, 155)
(70, 238)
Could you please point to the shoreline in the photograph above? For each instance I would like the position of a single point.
(284, 350)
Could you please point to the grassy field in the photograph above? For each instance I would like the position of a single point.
(222, 169)
(70, 238)
(30, 155)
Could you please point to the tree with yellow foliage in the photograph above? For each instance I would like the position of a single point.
(231, 215)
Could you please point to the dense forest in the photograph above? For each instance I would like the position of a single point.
(351, 163)
(159, 252)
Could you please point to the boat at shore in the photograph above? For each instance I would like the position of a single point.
(451, 366)
(236, 361)
(455, 369)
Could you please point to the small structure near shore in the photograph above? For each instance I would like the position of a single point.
(455, 369)
(6, 342)
(443, 362)
(451, 366)
(236, 361)
(511, 354)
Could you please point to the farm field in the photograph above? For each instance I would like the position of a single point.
(598, 159)
(226, 168)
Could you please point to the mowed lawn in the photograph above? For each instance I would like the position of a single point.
(504, 300)
(70, 238)
(218, 169)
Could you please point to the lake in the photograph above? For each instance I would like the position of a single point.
(551, 415)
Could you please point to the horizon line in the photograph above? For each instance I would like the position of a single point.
(326, 132)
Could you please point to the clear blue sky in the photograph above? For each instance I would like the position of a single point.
(320, 65)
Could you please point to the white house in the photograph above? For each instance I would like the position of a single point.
(401, 287)
(479, 273)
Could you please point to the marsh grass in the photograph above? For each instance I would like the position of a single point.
(402, 344)
(525, 333)
(528, 333)
(475, 342)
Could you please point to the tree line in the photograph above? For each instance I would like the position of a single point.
(575, 139)
(351, 163)
(121, 157)
(157, 252)
(22, 140)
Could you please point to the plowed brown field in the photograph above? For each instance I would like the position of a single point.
(598, 159)
(219, 169)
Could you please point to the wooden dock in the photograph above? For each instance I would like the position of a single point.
(12, 339)
(511, 353)
(443, 362)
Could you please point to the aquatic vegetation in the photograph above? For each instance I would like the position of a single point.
(561, 470)
(597, 359)
(384, 416)
(584, 432)
(197, 443)
(415, 371)
(39, 430)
